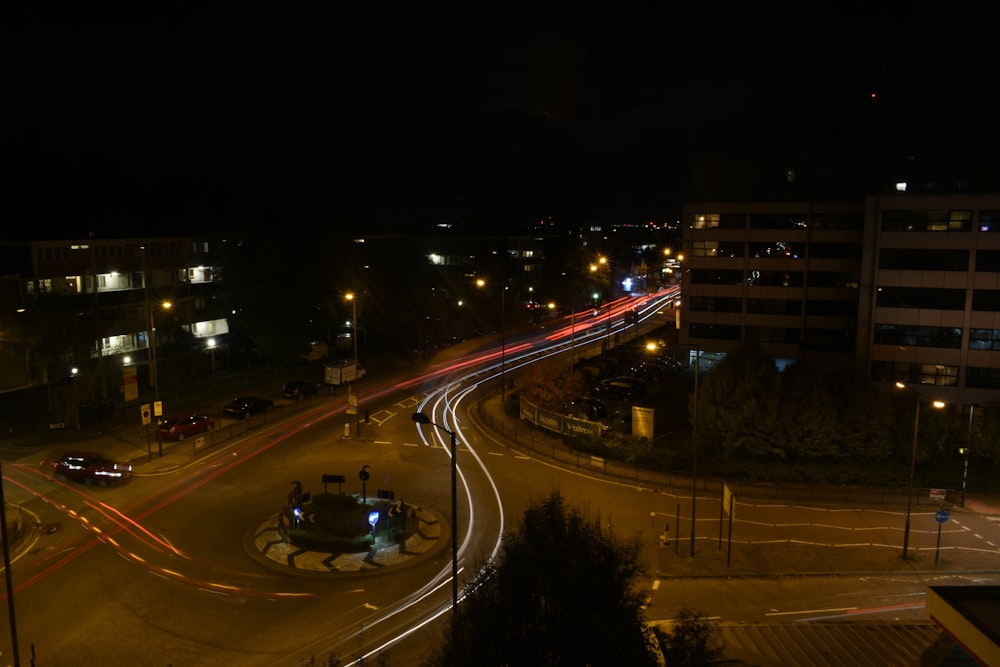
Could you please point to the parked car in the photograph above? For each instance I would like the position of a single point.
(299, 389)
(91, 468)
(619, 389)
(242, 407)
(178, 428)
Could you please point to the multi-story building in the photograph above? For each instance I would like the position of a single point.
(90, 307)
(907, 286)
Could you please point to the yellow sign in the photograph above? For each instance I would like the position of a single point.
(727, 500)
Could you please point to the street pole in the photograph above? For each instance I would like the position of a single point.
(7, 574)
(694, 449)
(503, 346)
(965, 454)
(354, 337)
(909, 491)
(421, 418)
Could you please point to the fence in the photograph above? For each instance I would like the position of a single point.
(529, 436)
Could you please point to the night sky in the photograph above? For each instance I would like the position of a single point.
(192, 122)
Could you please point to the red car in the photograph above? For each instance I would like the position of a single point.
(179, 428)
(91, 468)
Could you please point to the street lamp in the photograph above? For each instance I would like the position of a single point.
(913, 465)
(354, 322)
(602, 267)
(154, 373)
(421, 418)
(964, 451)
(210, 344)
(354, 336)
(503, 340)
(694, 448)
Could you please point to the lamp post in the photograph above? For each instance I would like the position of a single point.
(154, 370)
(153, 379)
(503, 340)
(964, 451)
(694, 448)
(354, 322)
(354, 337)
(421, 418)
(913, 466)
(602, 266)
(7, 574)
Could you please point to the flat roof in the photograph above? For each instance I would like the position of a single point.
(971, 616)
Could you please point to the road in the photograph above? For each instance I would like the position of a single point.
(157, 571)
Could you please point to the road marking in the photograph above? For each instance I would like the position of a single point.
(812, 611)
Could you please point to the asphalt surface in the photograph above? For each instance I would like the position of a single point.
(123, 438)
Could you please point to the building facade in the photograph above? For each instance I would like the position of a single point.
(90, 308)
(906, 286)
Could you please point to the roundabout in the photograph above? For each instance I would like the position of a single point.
(267, 544)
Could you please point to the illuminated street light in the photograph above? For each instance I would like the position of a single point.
(913, 464)
(421, 418)
(354, 336)
(503, 339)
(154, 371)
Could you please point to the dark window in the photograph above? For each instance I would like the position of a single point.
(835, 250)
(732, 221)
(774, 306)
(774, 335)
(731, 249)
(833, 340)
(776, 250)
(778, 221)
(716, 304)
(988, 261)
(986, 299)
(715, 331)
(827, 308)
(937, 298)
(837, 221)
(924, 260)
(833, 279)
(716, 277)
(775, 278)
(983, 378)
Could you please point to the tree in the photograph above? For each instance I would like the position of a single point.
(691, 642)
(737, 406)
(562, 592)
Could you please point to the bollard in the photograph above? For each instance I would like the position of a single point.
(347, 430)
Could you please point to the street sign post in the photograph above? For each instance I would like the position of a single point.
(940, 517)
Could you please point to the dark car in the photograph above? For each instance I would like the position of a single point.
(619, 389)
(91, 468)
(178, 428)
(242, 407)
(299, 389)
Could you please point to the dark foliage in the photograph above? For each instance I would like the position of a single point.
(562, 592)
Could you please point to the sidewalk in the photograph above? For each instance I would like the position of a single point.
(713, 559)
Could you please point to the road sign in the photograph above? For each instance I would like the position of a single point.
(144, 411)
(941, 516)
